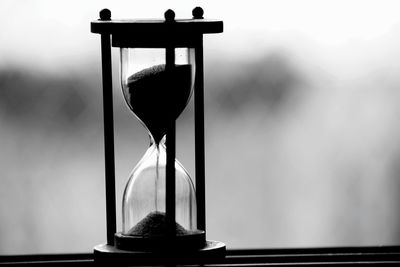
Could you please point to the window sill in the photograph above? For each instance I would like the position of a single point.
(244, 257)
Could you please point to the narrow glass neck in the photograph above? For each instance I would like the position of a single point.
(153, 142)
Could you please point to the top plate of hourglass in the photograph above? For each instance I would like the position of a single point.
(157, 25)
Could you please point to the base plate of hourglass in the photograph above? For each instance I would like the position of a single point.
(212, 252)
(192, 240)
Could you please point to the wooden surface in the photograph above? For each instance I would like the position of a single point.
(340, 256)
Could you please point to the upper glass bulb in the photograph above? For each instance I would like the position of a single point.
(146, 89)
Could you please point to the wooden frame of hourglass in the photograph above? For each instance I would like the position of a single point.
(156, 34)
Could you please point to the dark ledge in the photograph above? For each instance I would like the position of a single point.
(244, 257)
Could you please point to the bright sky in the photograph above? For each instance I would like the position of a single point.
(44, 33)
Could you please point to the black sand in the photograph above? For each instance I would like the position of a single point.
(154, 102)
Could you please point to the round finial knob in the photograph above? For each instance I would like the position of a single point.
(169, 15)
(197, 13)
(105, 14)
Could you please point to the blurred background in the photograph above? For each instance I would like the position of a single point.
(302, 123)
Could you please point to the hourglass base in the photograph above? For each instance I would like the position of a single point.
(192, 240)
(212, 252)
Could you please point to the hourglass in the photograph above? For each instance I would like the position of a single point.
(157, 91)
(163, 211)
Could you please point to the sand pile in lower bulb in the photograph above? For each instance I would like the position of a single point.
(154, 224)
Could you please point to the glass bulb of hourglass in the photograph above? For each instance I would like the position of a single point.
(144, 196)
(144, 84)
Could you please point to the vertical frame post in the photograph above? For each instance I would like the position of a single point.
(105, 14)
(199, 134)
(171, 150)
(169, 16)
